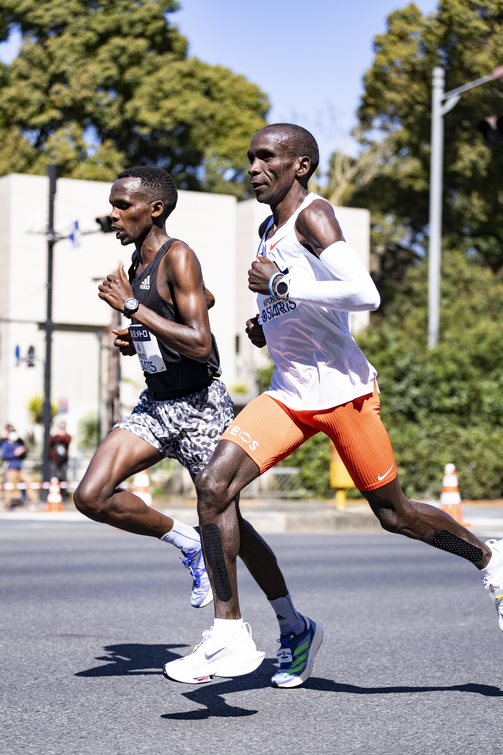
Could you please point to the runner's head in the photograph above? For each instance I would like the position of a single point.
(155, 184)
(299, 142)
(141, 197)
(280, 155)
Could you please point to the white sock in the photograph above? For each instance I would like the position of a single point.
(289, 619)
(226, 627)
(183, 536)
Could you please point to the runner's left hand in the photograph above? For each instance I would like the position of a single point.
(124, 342)
(115, 289)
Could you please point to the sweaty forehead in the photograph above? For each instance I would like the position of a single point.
(272, 138)
(129, 186)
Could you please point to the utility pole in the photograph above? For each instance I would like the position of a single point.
(441, 103)
(49, 327)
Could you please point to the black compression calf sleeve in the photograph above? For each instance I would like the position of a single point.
(214, 554)
(446, 541)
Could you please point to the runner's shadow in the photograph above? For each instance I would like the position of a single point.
(326, 685)
(210, 696)
(132, 659)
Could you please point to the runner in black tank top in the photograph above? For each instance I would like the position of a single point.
(168, 373)
(185, 408)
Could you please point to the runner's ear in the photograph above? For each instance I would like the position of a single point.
(303, 165)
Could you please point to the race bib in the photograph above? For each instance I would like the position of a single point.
(147, 349)
(272, 308)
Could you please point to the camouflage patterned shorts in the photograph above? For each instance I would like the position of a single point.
(187, 429)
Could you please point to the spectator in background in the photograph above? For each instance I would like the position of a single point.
(59, 444)
(16, 484)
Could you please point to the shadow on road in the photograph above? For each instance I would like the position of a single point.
(137, 659)
(326, 685)
(210, 696)
(132, 659)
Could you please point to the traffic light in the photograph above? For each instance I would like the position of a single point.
(105, 224)
(30, 356)
(492, 129)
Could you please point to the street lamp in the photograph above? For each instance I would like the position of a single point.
(441, 103)
(52, 238)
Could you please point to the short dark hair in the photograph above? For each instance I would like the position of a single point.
(157, 184)
(301, 142)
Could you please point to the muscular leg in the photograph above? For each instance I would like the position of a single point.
(421, 521)
(228, 472)
(119, 456)
(260, 560)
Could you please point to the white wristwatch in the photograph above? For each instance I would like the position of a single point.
(130, 307)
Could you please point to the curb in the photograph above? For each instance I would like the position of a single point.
(279, 516)
(268, 517)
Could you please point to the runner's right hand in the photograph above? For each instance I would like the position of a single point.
(255, 332)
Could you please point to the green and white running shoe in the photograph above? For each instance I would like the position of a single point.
(296, 655)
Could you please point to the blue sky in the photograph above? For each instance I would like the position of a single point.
(308, 56)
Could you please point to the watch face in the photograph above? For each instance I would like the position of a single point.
(282, 288)
(131, 304)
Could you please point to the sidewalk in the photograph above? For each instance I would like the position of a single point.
(276, 516)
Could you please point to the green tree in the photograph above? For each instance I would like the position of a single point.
(390, 175)
(87, 434)
(101, 84)
(36, 409)
(445, 405)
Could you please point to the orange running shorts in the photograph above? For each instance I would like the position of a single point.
(268, 431)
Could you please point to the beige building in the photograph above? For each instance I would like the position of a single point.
(221, 230)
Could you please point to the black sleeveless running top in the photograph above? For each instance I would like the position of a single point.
(168, 374)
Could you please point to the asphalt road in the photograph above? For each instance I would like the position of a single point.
(411, 661)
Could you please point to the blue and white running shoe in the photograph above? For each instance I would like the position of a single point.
(296, 655)
(202, 593)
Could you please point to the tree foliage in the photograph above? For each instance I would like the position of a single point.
(101, 84)
(465, 37)
(445, 405)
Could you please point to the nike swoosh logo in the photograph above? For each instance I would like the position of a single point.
(277, 242)
(381, 477)
(209, 656)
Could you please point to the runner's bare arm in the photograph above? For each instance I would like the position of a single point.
(184, 285)
(210, 299)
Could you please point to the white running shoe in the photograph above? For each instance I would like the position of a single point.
(493, 579)
(217, 656)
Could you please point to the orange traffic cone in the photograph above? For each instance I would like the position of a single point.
(450, 498)
(54, 499)
(141, 487)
